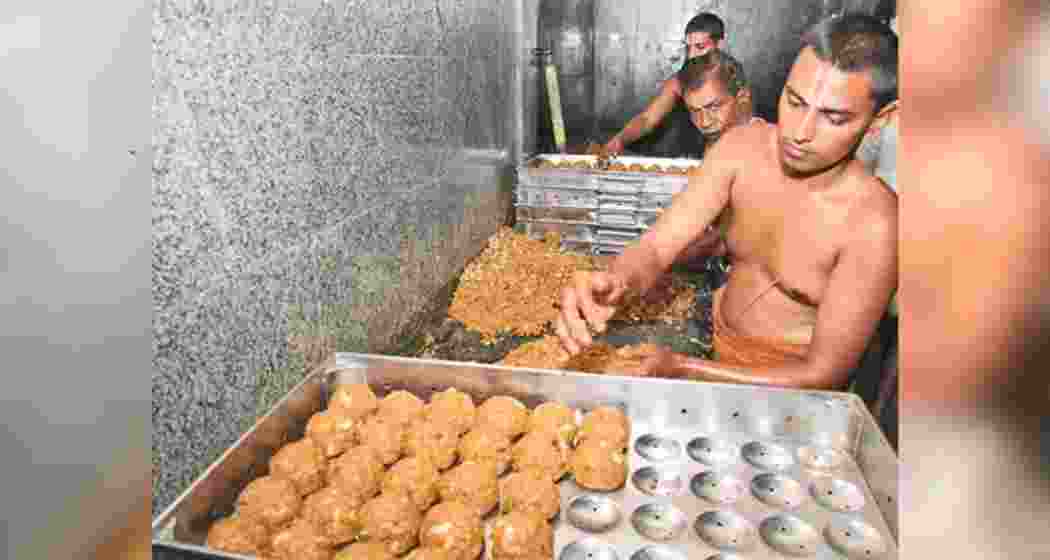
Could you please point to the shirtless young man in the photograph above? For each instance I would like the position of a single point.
(812, 235)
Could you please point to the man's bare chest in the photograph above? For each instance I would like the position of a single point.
(794, 240)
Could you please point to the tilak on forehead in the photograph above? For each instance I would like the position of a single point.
(822, 92)
(821, 88)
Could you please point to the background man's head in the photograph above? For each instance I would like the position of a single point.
(843, 82)
(716, 92)
(704, 32)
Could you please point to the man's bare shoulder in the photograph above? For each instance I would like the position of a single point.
(671, 87)
(743, 142)
(875, 210)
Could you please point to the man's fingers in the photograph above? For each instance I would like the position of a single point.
(587, 285)
(567, 342)
(615, 291)
(574, 325)
(584, 303)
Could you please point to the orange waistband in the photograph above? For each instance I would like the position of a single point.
(734, 348)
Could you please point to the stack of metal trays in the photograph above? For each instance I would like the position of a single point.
(596, 209)
(715, 470)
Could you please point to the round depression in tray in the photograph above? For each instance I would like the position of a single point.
(595, 514)
(726, 530)
(658, 522)
(778, 490)
(855, 539)
(821, 458)
(767, 456)
(658, 552)
(712, 451)
(837, 494)
(789, 535)
(589, 549)
(720, 488)
(658, 448)
(658, 481)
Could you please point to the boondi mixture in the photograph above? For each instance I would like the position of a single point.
(514, 287)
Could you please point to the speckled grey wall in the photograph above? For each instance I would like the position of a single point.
(321, 170)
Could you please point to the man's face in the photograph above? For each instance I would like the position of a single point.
(712, 109)
(697, 44)
(822, 114)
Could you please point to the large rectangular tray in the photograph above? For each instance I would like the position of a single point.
(806, 424)
(605, 181)
(626, 160)
(591, 206)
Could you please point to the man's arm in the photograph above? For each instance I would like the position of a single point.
(687, 219)
(857, 295)
(593, 297)
(649, 118)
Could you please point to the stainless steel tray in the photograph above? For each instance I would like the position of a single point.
(805, 453)
(605, 180)
(626, 160)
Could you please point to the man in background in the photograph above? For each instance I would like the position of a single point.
(717, 95)
(703, 33)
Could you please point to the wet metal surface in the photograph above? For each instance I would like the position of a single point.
(790, 535)
(594, 514)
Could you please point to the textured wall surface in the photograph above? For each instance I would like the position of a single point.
(321, 171)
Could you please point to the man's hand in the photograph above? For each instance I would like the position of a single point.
(588, 304)
(662, 363)
(614, 147)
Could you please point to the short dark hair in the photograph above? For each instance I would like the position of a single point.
(709, 23)
(718, 63)
(855, 42)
